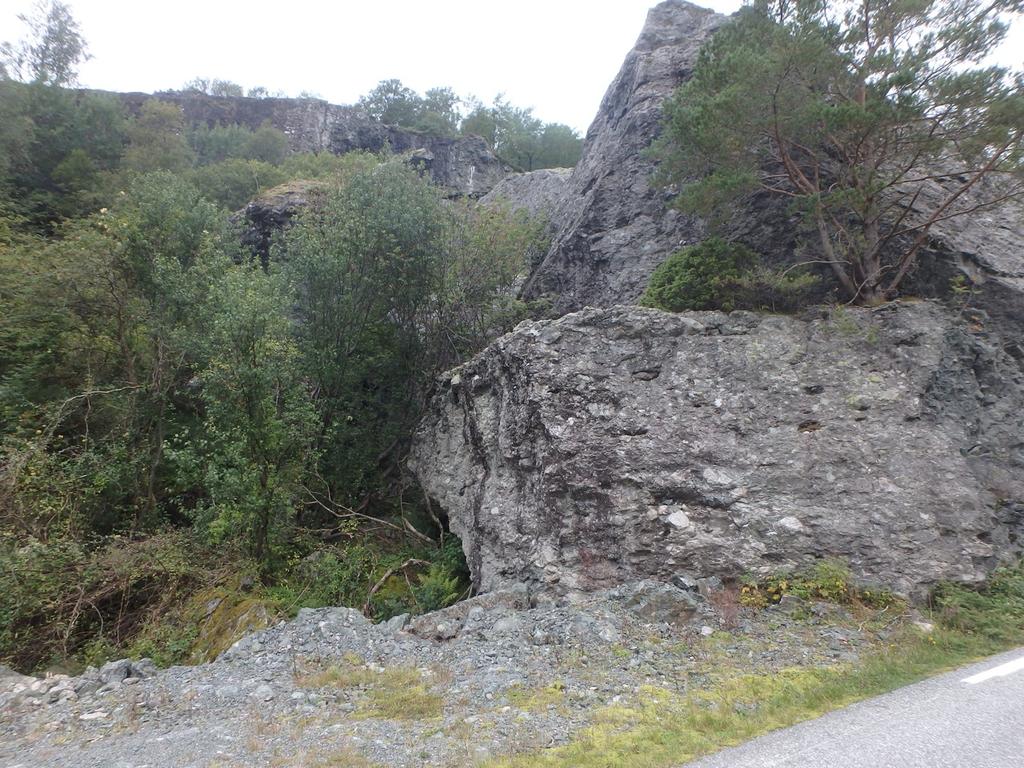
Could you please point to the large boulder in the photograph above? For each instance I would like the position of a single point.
(622, 443)
(269, 214)
(539, 193)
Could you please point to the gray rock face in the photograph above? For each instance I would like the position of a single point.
(271, 213)
(987, 247)
(623, 443)
(465, 165)
(539, 193)
(615, 227)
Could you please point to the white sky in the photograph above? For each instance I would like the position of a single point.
(557, 56)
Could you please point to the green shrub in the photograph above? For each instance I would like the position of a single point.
(996, 611)
(62, 602)
(716, 274)
(233, 183)
(827, 580)
(695, 277)
(772, 290)
(350, 574)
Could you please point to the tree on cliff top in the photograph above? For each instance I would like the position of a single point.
(51, 52)
(876, 118)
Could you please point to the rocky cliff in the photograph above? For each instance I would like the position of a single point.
(615, 227)
(617, 442)
(621, 443)
(463, 165)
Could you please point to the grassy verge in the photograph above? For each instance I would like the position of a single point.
(395, 693)
(663, 729)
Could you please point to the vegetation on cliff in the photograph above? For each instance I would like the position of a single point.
(716, 274)
(514, 133)
(874, 120)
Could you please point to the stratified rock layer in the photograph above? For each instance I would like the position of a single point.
(620, 443)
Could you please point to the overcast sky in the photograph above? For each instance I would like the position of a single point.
(557, 56)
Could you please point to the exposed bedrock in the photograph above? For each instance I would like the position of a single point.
(615, 226)
(621, 443)
(539, 193)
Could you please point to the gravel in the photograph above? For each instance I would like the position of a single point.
(513, 673)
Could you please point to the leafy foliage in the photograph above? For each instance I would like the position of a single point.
(157, 139)
(61, 600)
(828, 580)
(995, 611)
(214, 87)
(51, 53)
(697, 277)
(152, 379)
(521, 139)
(390, 286)
(57, 151)
(518, 137)
(716, 274)
(180, 427)
(233, 183)
(848, 110)
(362, 264)
(256, 440)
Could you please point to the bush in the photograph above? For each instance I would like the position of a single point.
(233, 183)
(771, 290)
(995, 611)
(697, 277)
(716, 274)
(63, 602)
(827, 580)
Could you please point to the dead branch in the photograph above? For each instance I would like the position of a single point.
(387, 575)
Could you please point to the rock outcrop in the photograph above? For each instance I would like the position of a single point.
(465, 165)
(615, 226)
(623, 443)
(539, 193)
(271, 213)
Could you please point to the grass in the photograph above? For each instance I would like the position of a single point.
(325, 757)
(396, 693)
(402, 702)
(537, 699)
(660, 728)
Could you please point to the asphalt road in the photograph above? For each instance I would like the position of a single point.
(971, 718)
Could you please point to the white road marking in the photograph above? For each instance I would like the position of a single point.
(1001, 671)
